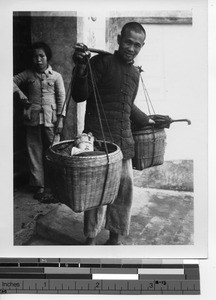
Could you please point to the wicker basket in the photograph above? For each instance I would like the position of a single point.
(149, 148)
(84, 182)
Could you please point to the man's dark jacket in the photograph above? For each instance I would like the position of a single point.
(117, 84)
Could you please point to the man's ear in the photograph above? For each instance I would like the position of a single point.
(118, 38)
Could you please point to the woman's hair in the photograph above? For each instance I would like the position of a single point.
(44, 46)
(133, 26)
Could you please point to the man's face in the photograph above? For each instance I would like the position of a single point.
(130, 44)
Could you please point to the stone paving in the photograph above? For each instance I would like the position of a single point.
(160, 216)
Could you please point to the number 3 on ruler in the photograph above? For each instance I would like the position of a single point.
(151, 285)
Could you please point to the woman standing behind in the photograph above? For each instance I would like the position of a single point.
(43, 112)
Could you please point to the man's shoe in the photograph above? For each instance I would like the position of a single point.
(90, 241)
(109, 242)
(39, 194)
(113, 239)
(48, 198)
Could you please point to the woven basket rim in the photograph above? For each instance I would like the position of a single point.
(147, 131)
(84, 158)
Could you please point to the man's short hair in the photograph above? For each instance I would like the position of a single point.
(44, 46)
(133, 26)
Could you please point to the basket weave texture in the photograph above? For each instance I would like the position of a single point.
(84, 182)
(149, 148)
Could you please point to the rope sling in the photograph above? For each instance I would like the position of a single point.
(150, 106)
(110, 157)
(150, 140)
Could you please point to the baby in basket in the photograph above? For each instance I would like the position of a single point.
(84, 146)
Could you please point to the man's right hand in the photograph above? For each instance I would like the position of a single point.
(151, 121)
(81, 54)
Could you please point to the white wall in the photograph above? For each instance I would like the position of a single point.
(91, 32)
(174, 60)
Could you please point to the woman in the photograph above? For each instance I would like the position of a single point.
(43, 112)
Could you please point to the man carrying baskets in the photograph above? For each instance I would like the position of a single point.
(116, 79)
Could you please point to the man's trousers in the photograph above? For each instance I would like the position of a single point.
(118, 214)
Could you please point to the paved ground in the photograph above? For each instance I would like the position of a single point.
(162, 216)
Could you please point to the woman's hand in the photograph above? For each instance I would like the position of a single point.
(59, 124)
(81, 54)
(24, 100)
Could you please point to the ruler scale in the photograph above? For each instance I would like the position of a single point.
(98, 276)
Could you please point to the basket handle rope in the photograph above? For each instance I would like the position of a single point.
(150, 107)
(147, 97)
(97, 106)
(97, 96)
(96, 92)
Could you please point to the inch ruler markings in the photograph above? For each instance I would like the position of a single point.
(98, 276)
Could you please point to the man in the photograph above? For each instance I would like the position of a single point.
(117, 81)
